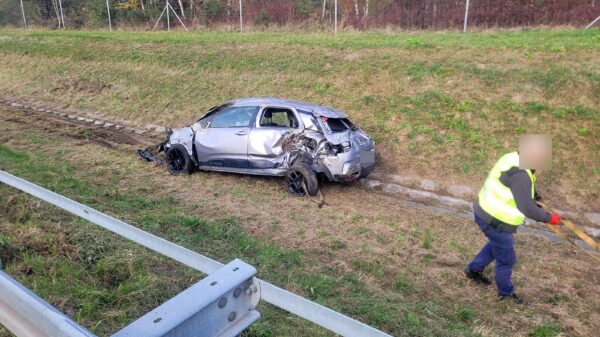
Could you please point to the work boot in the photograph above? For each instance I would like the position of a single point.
(477, 277)
(515, 298)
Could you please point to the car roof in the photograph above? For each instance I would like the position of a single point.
(316, 110)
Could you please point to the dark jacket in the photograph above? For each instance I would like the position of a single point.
(520, 185)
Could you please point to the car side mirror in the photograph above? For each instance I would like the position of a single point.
(205, 124)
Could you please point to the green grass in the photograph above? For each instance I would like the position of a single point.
(465, 314)
(105, 282)
(530, 39)
(440, 106)
(545, 330)
(444, 101)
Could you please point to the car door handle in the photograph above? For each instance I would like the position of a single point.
(241, 133)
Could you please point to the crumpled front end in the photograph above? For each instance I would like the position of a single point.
(352, 156)
(183, 136)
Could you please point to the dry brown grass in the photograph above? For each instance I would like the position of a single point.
(389, 245)
(412, 92)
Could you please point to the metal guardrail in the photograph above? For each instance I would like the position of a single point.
(223, 304)
(25, 314)
(311, 311)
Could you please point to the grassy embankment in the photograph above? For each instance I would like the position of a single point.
(440, 105)
(104, 282)
(367, 255)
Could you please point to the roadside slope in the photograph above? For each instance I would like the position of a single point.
(390, 265)
(442, 106)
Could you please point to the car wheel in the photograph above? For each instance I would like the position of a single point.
(300, 179)
(364, 174)
(178, 160)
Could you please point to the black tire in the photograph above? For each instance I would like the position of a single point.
(178, 160)
(365, 173)
(300, 179)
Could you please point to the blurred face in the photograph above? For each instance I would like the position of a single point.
(535, 152)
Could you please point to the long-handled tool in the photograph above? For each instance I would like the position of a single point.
(575, 229)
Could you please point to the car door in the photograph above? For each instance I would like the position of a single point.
(271, 125)
(224, 142)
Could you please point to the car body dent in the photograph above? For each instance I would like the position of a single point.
(269, 150)
(265, 149)
(183, 136)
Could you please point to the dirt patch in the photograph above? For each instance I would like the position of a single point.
(78, 128)
(77, 86)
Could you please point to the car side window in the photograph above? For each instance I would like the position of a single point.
(276, 117)
(234, 117)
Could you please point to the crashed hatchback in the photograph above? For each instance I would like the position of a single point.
(274, 137)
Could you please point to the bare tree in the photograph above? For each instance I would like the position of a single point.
(366, 8)
(181, 9)
(55, 5)
(356, 8)
(324, 6)
(62, 14)
(228, 10)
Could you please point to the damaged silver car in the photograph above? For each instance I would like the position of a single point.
(274, 137)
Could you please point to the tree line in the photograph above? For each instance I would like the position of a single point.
(359, 14)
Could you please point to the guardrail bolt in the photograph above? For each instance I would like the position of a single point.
(222, 302)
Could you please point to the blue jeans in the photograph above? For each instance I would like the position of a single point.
(500, 247)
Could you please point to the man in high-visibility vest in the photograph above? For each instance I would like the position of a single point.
(506, 198)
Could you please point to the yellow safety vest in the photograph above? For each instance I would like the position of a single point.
(496, 198)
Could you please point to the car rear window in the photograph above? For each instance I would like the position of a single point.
(337, 124)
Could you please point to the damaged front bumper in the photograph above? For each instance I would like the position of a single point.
(349, 166)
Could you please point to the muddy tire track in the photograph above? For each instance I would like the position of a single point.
(103, 132)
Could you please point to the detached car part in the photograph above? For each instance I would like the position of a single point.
(273, 137)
